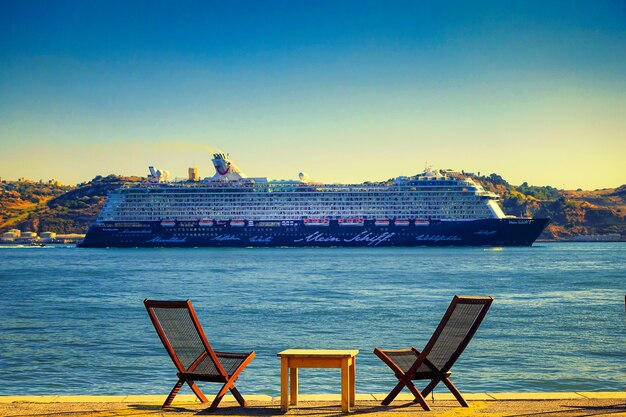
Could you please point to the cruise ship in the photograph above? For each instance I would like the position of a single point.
(229, 209)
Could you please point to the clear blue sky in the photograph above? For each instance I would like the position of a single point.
(346, 91)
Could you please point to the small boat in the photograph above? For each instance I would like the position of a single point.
(401, 222)
(381, 222)
(350, 222)
(205, 222)
(422, 222)
(316, 222)
(237, 223)
(168, 223)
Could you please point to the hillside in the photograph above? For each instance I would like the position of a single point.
(573, 213)
(19, 199)
(39, 207)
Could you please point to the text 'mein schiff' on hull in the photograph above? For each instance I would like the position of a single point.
(435, 208)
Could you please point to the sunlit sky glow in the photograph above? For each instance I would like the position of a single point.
(346, 91)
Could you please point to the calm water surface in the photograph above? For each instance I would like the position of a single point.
(72, 320)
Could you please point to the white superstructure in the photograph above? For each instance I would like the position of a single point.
(229, 195)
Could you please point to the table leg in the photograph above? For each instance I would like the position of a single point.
(284, 384)
(294, 386)
(345, 385)
(353, 382)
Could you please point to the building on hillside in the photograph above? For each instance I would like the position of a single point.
(27, 237)
(48, 237)
(11, 235)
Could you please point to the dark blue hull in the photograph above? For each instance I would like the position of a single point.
(487, 232)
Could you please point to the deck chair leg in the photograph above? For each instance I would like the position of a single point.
(419, 398)
(173, 393)
(431, 386)
(238, 397)
(455, 392)
(196, 390)
(220, 394)
(393, 394)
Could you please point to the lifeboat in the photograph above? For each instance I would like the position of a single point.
(205, 222)
(168, 223)
(350, 222)
(422, 222)
(381, 222)
(401, 222)
(316, 222)
(237, 223)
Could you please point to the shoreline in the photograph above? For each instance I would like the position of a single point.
(562, 404)
(445, 396)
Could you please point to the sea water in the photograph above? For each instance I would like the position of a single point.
(72, 320)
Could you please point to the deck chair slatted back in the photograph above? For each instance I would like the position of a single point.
(456, 329)
(184, 340)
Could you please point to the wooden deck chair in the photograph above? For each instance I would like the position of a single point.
(178, 328)
(456, 329)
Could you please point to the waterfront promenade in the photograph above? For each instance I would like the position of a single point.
(561, 404)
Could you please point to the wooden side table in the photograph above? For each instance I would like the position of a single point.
(292, 359)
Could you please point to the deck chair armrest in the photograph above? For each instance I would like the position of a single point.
(233, 355)
(390, 363)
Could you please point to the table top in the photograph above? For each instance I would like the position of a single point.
(318, 353)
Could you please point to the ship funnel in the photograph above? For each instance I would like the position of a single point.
(225, 169)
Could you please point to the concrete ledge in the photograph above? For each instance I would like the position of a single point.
(377, 397)
(438, 397)
(137, 399)
(28, 398)
(89, 399)
(311, 406)
(327, 397)
(148, 399)
(535, 396)
(602, 395)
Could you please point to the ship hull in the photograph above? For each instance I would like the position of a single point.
(486, 232)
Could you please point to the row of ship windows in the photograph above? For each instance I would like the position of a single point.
(290, 199)
(193, 219)
(299, 195)
(310, 204)
(323, 209)
(287, 216)
(331, 211)
(342, 205)
(457, 187)
(303, 210)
